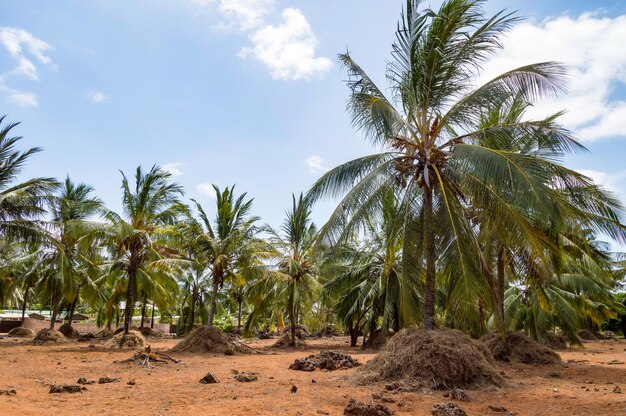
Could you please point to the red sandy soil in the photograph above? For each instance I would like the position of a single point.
(584, 386)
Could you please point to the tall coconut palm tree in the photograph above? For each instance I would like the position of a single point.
(195, 282)
(366, 273)
(19, 273)
(237, 297)
(69, 245)
(293, 282)
(521, 237)
(570, 289)
(140, 240)
(433, 152)
(220, 245)
(27, 274)
(22, 202)
(160, 287)
(68, 255)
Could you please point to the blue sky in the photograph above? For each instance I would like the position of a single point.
(249, 91)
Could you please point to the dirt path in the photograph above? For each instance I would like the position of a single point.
(582, 387)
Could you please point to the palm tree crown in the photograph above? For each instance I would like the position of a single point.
(444, 163)
(22, 202)
(140, 238)
(220, 245)
(292, 282)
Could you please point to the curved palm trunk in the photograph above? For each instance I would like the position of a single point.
(239, 314)
(70, 317)
(354, 334)
(500, 289)
(128, 311)
(143, 310)
(24, 304)
(329, 317)
(481, 317)
(216, 287)
(192, 319)
(293, 332)
(55, 311)
(429, 251)
(293, 315)
(109, 320)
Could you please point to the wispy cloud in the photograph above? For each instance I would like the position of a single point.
(316, 164)
(25, 50)
(173, 168)
(243, 15)
(593, 48)
(287, 49)
(612, 182)
(206, 189)
(237, 15)
(98, 97)
(17, 97)
(20, 43)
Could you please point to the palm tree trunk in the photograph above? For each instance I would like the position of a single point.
(53, 318)
(429, 251)
(239, 314)
(130, 307)
(293, 315)
(143, 310)
(192, 319)
(216, 286)
(298, 320)
(481, 317)
(70, 317)
(354, 337)
(24, 304)
(152, 318)
(500, 288)
(353, 330)
(293, 331)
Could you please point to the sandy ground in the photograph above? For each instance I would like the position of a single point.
(583, 386)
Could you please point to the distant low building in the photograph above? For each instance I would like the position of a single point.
(16, 315)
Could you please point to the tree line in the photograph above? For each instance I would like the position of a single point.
(466, 217)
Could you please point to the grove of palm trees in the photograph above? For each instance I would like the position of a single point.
(464, 265)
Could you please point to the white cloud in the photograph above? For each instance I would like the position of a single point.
(19, 43)
(239, 15)
(23, 98)
(206, 189)
(244, 15)
(612, 182)
(173, 168)
(610, 124)
(203, 3)
(593, 48)
(98, 97)
(288, 49)
(25, 49)
(25, 68)
(17, 97)
(316, 164)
